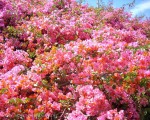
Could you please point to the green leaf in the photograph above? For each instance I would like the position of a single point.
(12, 31)
(3, 90)
(15, 101)
(31, 54)
(40, 115)
(100, 86)
(19, 101)
(12, 101)
(26, 100)
(78, 58)
(87, 30)
(44, 82)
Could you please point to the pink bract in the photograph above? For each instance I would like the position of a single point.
(61, 60)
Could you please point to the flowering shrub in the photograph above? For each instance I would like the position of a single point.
(61, 60)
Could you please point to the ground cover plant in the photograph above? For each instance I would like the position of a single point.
(60, 60)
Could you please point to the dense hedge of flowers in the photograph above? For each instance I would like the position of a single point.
(60, 60)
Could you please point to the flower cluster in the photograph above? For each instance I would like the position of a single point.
(63, 60)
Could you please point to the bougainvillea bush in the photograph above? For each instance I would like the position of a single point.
(60, 60)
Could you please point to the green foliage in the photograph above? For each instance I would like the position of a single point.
(145, 114)
(144, 47)
(66, 103)
(32, 54)
(39, 115)
(3, 90)
(12, 31)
